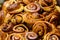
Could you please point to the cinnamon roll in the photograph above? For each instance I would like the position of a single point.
(47, 5)
(6, 4)
(31, 18)
(17, 19)
(31, 36)
(54, 35)
(7, 27)
(21, 28)
(54, 12)
(53, 17)
(13, 7)
(42, 27)
(15, 36)
(32, 7)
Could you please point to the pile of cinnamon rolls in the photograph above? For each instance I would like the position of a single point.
(30, 20)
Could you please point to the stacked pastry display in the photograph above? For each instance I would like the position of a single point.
(30, 20)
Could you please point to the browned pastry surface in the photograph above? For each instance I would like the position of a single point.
(30, 20)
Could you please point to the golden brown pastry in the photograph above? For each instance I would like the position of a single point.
(7, 18)
(47, 5)
(12, 6)
(15, 36)
(21, 28)
(32, 7)
(7, 27)
(17, 19)
(31, 36)
(3, 35)
(54, 35)
(42, 27)
(31, 18)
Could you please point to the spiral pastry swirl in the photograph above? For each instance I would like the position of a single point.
(15, 36)
(32, 7)
(42, 27)
(6, 4)
(31, 18)
(47, 5)
(54, 12)
(54, 35)
(13, 7)
(31, 36)
(17, 19)
(53, 17)
(21, 28)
